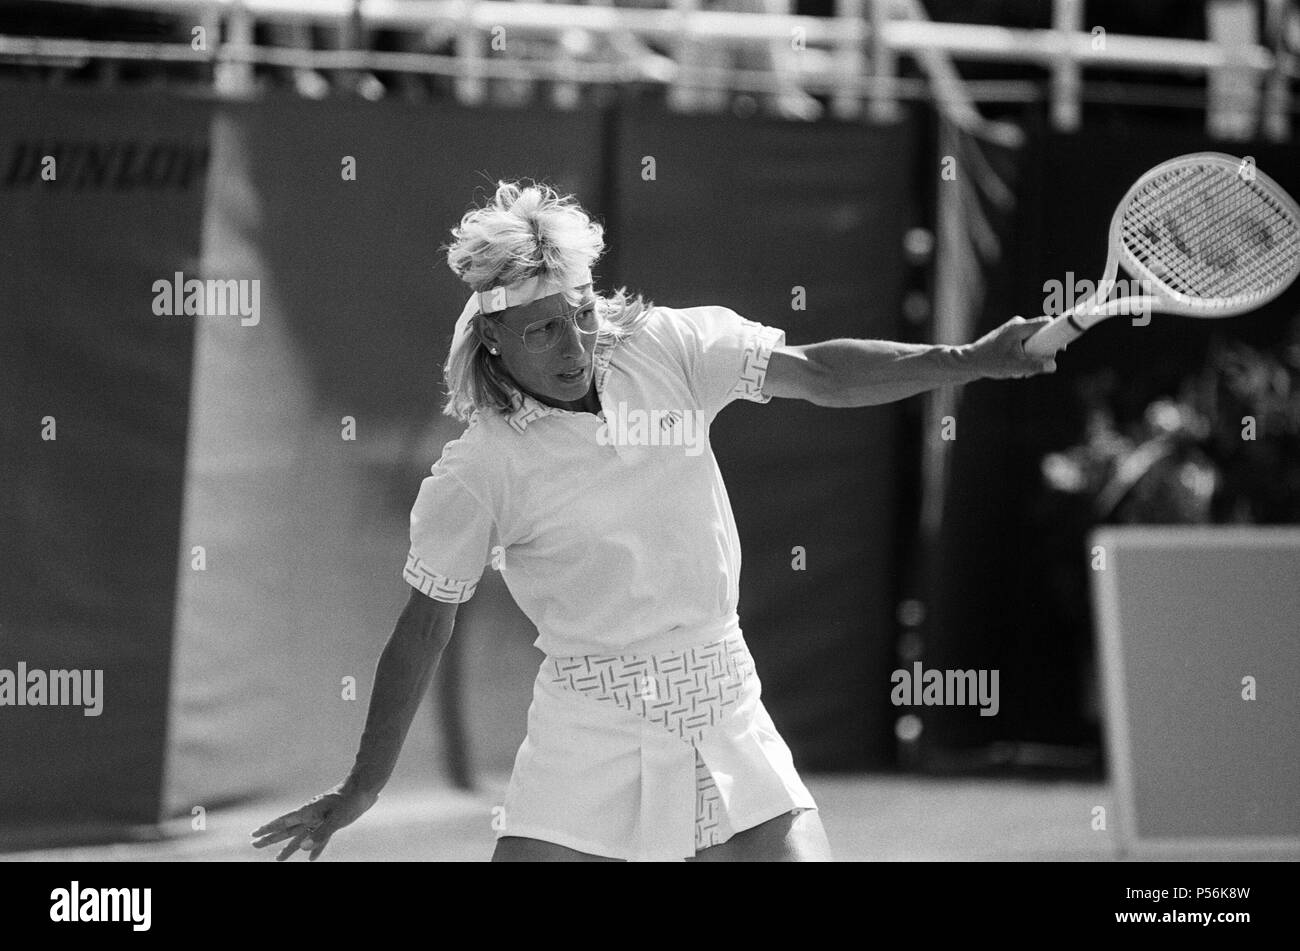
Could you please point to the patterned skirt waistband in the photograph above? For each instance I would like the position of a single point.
(685, 691)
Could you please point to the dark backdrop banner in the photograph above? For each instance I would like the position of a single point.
(100, 196)
(761, 217)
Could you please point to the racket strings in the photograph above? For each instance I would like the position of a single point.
(1212, 220)
(1260, 227)
(1205, 236)
(1206, 233)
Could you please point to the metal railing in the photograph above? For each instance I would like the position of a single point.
(852, 57)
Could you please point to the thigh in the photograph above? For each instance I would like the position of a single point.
(791, 837)
(516, 848)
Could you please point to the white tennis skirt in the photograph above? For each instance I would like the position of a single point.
(649, 757)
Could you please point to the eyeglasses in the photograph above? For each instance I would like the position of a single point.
(542, 335)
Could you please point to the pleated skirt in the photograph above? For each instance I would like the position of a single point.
(649, 757)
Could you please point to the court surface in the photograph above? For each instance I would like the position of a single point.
(868, 818)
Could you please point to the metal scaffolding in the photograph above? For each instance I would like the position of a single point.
(853, 58)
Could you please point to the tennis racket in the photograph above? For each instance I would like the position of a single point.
(1205, 234)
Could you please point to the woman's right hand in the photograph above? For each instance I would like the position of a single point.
(310, 826)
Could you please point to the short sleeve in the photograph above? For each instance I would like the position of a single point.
(452, 533)
(725, 355)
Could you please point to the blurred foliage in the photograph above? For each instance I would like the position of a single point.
(1225, 448)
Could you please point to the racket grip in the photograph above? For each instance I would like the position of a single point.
(1051, 338)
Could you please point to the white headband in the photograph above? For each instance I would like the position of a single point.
(497, 299)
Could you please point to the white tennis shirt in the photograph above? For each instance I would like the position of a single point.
(614, 533)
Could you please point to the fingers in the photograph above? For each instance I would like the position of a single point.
(316, 844)
(275, 837)
(291, 824)
(293, 845)
(278, 825)
(316, 836)
(309, 838)
(310, 827)
(1028, 328)
(302, 839)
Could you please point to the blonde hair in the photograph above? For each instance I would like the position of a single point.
(523, 231)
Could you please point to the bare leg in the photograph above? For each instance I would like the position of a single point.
(792, 837)
(514, 848)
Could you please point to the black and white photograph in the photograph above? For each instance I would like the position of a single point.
(651, 431)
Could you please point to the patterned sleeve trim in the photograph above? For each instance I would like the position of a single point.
(439, 587)
(754, 363)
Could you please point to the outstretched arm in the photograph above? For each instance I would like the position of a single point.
(847, 372)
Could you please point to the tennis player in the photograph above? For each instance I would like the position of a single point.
(585, 476)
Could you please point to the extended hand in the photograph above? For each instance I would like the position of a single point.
(1000, 353)
(309, 827)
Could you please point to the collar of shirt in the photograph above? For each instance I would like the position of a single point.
(530, 409)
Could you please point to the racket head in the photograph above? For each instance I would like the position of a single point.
(1211, 234)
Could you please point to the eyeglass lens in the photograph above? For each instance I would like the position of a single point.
(546, 334)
